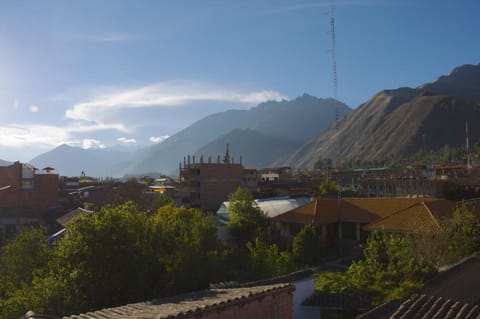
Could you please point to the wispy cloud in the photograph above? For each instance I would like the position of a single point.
(158, 139)
(126, 140)
(165, 94)
(87, 143)
(16, 104)
(35, 135)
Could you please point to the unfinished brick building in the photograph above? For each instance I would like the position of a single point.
(24, 193)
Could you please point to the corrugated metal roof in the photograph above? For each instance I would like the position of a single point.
(271, 207)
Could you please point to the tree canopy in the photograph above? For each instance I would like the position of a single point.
(327, 187)
(390, 270)
(246, 220)
(116, 256)
(267, 261)
(306, 246)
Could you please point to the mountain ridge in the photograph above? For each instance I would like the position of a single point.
(400, 122)
(274, 119)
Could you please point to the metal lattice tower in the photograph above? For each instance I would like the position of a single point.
(334, 64)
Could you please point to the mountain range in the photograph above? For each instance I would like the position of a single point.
(401, 122)
(72, 161)
(296, 133)
(259, 135)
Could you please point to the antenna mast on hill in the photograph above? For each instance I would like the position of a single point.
(335, 90)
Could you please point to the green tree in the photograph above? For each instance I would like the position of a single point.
(390, 270)
(109, 253)
(22, 258)
(28, 280)
(267, 261)
(327, 187)
(116, 256)
(160, 201)
(186, 244)
(306, 246)
(247, 221)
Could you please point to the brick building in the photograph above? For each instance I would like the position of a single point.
(24, 194)
(22, 186)
(208, 184)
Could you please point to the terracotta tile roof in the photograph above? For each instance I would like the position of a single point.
(360, 210)
(385, 206)
(423, 215)
(187, 305)
(301, 215)
(425, 307)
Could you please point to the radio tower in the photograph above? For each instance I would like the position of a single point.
(334, 65)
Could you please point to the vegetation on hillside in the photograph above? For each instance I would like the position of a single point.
(442, 156)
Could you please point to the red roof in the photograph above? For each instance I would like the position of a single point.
(360, 210)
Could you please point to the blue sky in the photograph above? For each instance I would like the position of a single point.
(100, 73)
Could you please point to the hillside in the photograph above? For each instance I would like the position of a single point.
(71, 161)
(290, 121)
(401, 121)
(256, 149)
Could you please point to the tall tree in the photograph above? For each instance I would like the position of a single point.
(246, 220)
(306, 246)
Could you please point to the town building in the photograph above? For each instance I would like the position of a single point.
(208, 184)
(346, 222)
(25, 194)
(23, 186)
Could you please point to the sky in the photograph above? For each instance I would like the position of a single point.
(130, 73)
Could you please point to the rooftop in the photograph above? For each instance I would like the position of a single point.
(185, 305)
(419, 216)
(359, 210)
(424, 307)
